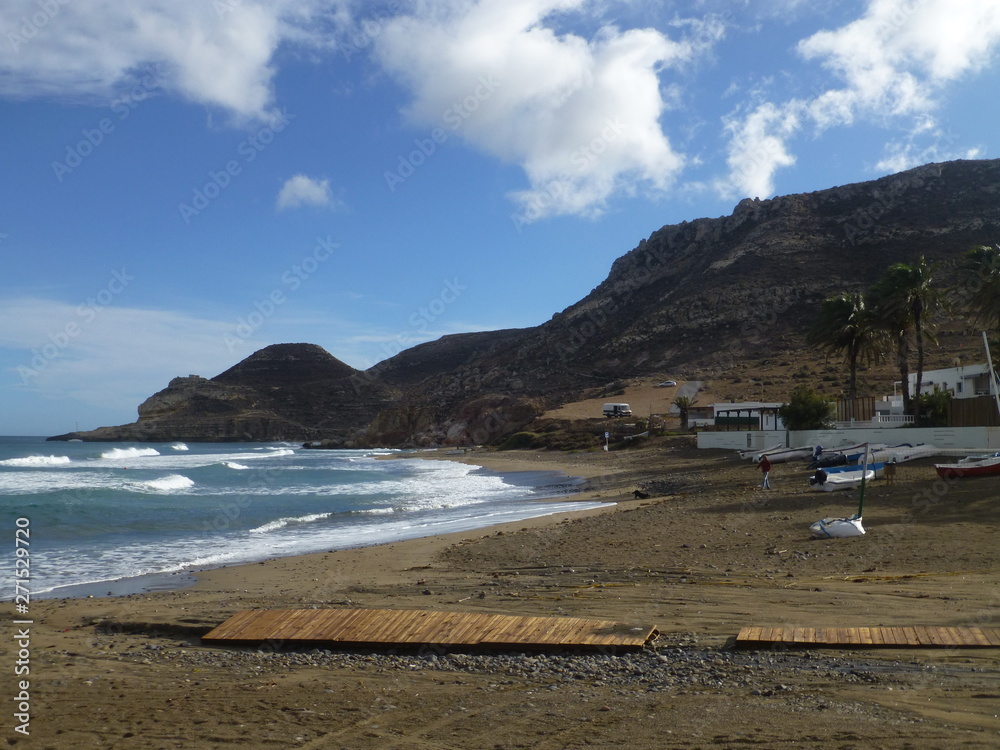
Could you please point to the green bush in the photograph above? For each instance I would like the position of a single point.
(806, 410)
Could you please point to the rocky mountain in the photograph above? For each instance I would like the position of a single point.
(282, 392)
(705, 298)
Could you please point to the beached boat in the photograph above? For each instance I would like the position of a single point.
(842, 456)
(972, 466)
(783, 455)
(878, 468)
(829, 481)
(832, 528)
(755, 455)
(903, 452)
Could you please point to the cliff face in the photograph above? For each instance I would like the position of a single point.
(702, 297)
(707, 296)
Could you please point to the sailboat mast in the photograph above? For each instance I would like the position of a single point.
(994, 380)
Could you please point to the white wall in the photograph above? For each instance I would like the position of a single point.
(955, 438)
(742, 440)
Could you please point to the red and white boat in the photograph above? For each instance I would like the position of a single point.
(973, 466)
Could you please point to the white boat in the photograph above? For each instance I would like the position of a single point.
(878, 468)
(901, 453)
(843, 480)
(835, 528)
(784, 455)
(755, 455)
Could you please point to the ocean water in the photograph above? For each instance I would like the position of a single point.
(102, 512)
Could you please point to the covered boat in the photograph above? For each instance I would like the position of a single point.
(833, 528)
(829, 480)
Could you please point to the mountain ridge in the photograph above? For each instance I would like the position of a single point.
(709, 296)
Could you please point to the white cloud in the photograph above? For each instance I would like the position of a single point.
(301, 190)
(757, 150)
(581, 117)
(893, 63)
(217, 53)
(109, 356)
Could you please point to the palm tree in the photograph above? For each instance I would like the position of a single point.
(847, 324)
(981, 277)
(904, 299)
(684, 404)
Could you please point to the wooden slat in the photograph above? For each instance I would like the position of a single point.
(886, 636)
(992, 635)
(416, 627)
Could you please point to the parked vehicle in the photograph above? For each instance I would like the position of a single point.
(617, 410)
(667, 384)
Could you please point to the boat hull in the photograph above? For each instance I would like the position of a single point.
(989, 467)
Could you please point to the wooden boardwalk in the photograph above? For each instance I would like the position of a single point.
(388, 627)
(884, 637)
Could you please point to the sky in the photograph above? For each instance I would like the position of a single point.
(183, 182)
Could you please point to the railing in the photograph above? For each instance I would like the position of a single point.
(880, 420)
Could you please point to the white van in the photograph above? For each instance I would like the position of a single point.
(617, 410)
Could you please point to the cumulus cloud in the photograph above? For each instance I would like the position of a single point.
(893, 63)
(757, 149)
(213, 53)
(301, 190)
(580, 116)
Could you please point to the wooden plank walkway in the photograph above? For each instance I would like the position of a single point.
(883, 637)
(389, 627)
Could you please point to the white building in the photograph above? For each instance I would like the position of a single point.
(756, 415)
(961, 382)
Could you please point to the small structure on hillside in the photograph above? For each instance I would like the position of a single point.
(747, 415)
(961, 382)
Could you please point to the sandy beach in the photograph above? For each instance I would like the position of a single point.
(706, 554)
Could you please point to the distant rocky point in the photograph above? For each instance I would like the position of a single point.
(709, 298)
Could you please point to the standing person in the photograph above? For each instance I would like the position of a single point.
(765, 469)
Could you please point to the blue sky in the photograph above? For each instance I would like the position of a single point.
(186, 182)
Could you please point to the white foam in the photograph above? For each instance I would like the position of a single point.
(281, 452)
(179, 447)
(118, 453)
(36, 461)
(234, 465)
(281, 523)
(169, 483)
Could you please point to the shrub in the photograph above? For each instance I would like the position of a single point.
(806, 410)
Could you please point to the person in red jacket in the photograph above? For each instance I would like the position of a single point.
(765, 469)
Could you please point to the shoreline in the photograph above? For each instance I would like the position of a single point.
(158, 582)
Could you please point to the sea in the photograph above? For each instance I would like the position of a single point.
(107, 518)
